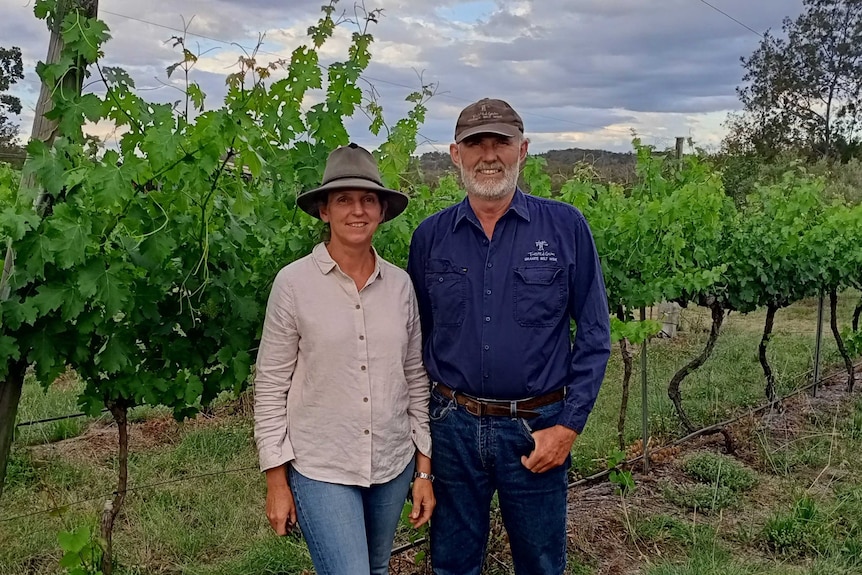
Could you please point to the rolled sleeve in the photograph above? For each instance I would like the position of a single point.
(276, 361)
(591, 349)
(417, 382)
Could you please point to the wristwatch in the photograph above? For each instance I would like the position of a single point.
(423, 475)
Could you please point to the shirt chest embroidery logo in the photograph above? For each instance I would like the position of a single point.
(542, 253)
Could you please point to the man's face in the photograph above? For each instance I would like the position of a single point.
(489, 164)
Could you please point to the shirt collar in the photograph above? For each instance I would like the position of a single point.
(518, 206)
(326, 264)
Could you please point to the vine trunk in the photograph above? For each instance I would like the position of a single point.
(842, 349)
(626, 351)
(673, 388)
(764, 362)
(112, 507)
(856, 313)
(10, 395)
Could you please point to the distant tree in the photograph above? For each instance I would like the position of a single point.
(803, 90)
(11, 70)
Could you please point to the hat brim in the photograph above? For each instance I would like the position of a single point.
(501, 129)
(309, 202)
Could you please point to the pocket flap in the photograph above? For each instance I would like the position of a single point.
(538, 276)
(436, 266)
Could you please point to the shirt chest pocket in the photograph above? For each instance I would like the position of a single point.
(447, 291)
(540, 296)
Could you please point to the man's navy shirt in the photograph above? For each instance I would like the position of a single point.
(495, 314)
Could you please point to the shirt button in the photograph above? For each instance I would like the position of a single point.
(363, 368)
(487, 347)
(440, 280)
(490, 265)
(367, 432)
(488, 292)
(487, 318)
(485, 376)
(365, 399)
(358, 306)
(484, 242)
(361, 337)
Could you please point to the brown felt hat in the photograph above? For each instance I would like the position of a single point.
(488, 116)
(351, 167)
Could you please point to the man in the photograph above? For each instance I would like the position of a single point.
(498, 278)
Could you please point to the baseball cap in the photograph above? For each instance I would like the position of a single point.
(488, 116)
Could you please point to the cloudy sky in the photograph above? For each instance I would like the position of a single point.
(581, 72)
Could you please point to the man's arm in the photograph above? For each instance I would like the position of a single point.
(588, 306)
(416, 268)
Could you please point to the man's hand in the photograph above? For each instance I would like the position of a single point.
(553, 445)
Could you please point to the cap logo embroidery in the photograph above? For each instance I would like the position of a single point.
(484, 114)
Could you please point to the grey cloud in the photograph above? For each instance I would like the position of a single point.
(567, 66)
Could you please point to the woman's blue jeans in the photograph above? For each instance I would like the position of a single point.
(473, 458)
(349, 529)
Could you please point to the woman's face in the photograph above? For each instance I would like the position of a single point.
(352, 215)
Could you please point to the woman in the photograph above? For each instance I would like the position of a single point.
(341, 395)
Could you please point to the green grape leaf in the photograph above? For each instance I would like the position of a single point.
(15, 223)
(75, 541)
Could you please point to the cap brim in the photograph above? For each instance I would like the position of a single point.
(501, 129)
(309, 202)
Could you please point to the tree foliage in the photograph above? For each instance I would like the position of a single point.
(11, 70)
(802, 88)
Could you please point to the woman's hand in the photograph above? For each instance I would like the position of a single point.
(423, 502)
(280, 506)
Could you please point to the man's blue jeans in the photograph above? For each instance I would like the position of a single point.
(475, 456)
(349, 529)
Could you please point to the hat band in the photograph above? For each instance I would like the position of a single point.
(353, 177)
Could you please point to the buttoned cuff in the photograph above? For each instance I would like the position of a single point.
(573, 418)
(270, 458)
(421, 439)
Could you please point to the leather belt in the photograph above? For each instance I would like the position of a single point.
(500, 407)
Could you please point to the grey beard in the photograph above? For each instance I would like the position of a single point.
(490, 190)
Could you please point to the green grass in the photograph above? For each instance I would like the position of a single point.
(802, 531)
(853, 426)
(666, 530)
(267, 556)
(201, 522)
(700, 497)
(731, 379)
(819, 529)
(38, 403)
(215, 524)
(713, 561)
(719, 470)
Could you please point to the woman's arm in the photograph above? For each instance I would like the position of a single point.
(419, 390)
(276, 360)
(280, 507)
(423, 492)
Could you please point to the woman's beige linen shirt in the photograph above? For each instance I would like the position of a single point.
(340, 389)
